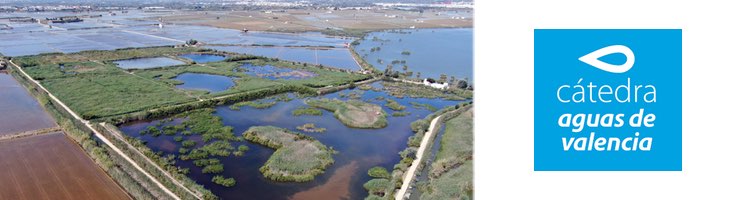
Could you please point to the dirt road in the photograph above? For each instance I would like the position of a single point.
(413, 168)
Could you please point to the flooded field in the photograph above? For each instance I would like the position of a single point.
(431, 52)
(19, 111)
(359, 149)
(137, 29)
(146, 63)
(203, 58)
(52, 167)
(207, 82)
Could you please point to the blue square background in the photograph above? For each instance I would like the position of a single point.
(658, 62)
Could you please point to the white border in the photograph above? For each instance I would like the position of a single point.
(716, 112)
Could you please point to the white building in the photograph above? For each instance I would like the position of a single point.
(435, 85)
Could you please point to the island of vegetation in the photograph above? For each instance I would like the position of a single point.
(298, 158)
(311, 128)
(307, 111)
(254, 104)
(400, 114)
(394, 105)
(353, 113)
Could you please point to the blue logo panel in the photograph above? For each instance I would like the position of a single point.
(608, 100)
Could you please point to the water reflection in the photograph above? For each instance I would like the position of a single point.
(203, 58)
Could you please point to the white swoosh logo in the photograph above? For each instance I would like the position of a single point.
(593, 59)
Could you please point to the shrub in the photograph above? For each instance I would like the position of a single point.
(226, 182)
(378, 172)
(213, 169)
(188, 143)
(377, 186)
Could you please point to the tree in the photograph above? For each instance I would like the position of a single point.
(405, 68)
(419, 74)
(191, 42)
(443, 78)
(462, 84)
(430, 80)
(390, 73)
(410, 152)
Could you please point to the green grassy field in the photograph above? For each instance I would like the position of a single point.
(298, 158)
(451, 174)
(93, 86)
(455, 184)
(94, 96)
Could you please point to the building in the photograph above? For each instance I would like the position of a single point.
(441, 86)
(66, 19)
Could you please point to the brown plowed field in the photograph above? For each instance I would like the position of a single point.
(52, 167)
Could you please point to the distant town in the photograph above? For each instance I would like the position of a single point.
(82, 6)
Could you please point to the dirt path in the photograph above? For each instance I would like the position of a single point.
(30, 133)
(413, 168)
(104, 139)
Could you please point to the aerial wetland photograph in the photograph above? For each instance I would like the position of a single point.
(236, 99)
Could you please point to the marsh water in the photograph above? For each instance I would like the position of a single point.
(146, 63)
(207, 82)
(431, 52)
(203, 58)
(274, 73)
(359, 149)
